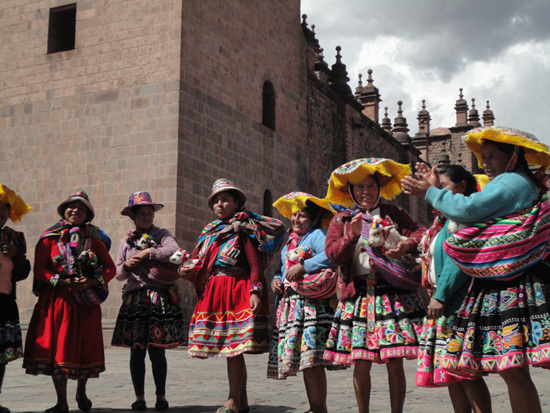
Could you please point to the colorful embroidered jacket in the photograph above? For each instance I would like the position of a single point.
(47, 266)
(340, 243)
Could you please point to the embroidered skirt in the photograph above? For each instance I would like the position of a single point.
(300, 334)
(149, 317)
(223, 325)
(394, 330)
(432, 348)
(64, 338)
(502, 324)
(11, 345)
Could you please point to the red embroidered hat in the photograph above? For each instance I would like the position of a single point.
(138, 199)
(78, 195)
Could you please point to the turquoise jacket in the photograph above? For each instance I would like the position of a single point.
(505, 194)
(452, 283)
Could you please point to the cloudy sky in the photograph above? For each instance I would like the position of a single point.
(496, 50)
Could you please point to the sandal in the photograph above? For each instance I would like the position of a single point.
(161, 405)
(84, 403)
(225, 409)
(139, 404)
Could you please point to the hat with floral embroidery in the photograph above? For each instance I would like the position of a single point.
(388, 173)
(138, 199)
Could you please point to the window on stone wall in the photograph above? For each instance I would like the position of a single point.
(268, 203)
(268, 110)
(61, 28)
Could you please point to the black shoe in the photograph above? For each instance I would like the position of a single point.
(4, 409)
(84, 403)
(57, 409)
(139, 405)
(161, 405)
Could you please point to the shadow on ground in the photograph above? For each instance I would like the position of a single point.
(192, 409)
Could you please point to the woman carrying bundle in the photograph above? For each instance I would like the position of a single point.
(502, 325)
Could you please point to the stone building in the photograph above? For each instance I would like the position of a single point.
(166, 96)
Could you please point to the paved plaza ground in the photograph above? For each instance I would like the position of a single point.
(197, 386)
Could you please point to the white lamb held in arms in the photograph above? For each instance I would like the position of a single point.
(383, 232)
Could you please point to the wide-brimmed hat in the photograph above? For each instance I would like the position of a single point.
(297, 201)
(78, 195)
(139, 199)
(18, 207)
(536, 152)
(222, 185)
(388, 172)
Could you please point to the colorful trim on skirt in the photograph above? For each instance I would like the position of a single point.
(397, 326)
(11, 343)
(502, 325)
(300, 334)
(149, 317)
(223, 325)
(432, 348)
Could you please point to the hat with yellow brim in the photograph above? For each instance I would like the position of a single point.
(481, 180)
(388, 172)
(296, 201)
(18, 207)
(536, 152)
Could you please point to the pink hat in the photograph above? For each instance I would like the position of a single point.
(138, 199)
(222, 185)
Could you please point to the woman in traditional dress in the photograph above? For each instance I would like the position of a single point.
(150, 318)
(502, 326)
(227, 268)
(302, 324)
(447, 286)
(375, 321)
(72, 266)
(14, 267)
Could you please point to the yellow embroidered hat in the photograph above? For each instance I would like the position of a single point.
(388, 172)
(296, 201)
(18, 207)
(536, 152)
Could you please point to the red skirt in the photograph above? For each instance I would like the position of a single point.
(223, 325)
(64, 338)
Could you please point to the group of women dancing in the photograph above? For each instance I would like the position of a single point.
(342, 299)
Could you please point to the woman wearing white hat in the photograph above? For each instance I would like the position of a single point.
(231, 316)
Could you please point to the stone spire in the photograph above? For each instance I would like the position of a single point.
(421, 138)
(461, 108)
(400, 127)
(473, 115)
(488, 117)
(338, 77)
(386, 122)
(369, 97)
(316, 60)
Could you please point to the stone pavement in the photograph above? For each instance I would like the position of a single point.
(197, 386)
